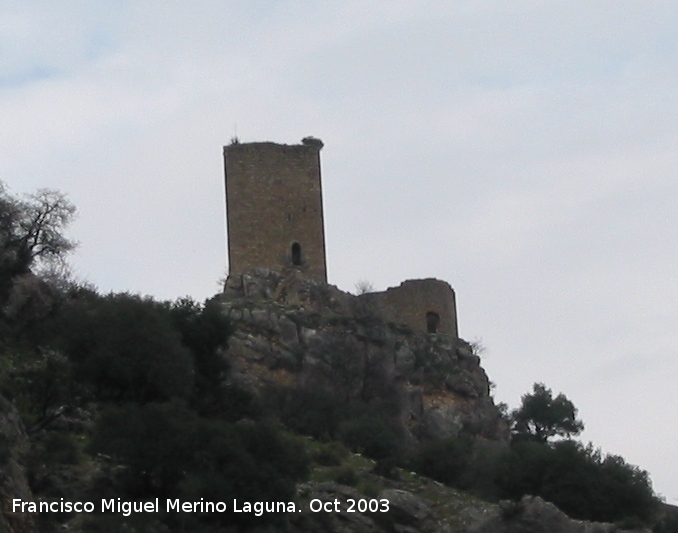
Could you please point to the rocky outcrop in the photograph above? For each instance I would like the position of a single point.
(417, 504)
(293, 332)
(13, 483)
(393, 510)
(533, 515)
(290, 330)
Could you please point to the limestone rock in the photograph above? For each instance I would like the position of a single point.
(320, 336)
(408, 510)
(288, 333)
(404, 360)
(533, 515)
(339, 521)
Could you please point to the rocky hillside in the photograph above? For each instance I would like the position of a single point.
(292, 331)
(290, 335)
(13, 484)
(418, 504)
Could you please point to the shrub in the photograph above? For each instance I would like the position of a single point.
(57, 448)
(204, 330)
(167, 451)
(371, 435)
(40, 385)
(578, 479)
(126, 348)
(668, 524)
(346, 475)
(387, 467)
(369, 489)
(330, 454)
(444, 460)
(310, 411)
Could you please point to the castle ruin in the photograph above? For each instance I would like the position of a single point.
(275, 221)
(424, 305)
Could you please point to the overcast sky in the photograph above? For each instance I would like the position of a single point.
(523, 151)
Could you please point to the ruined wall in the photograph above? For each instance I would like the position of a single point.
(274, 207)
(424, 305)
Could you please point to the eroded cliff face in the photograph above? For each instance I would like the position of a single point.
(292, 331)
(13, 484)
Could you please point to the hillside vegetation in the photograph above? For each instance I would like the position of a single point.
(275, 391)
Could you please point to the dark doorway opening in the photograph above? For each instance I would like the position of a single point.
(432, 322)
(296, 254)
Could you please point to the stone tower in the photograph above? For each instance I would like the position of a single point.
(274, 207)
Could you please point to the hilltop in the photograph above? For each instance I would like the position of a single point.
(296, 334)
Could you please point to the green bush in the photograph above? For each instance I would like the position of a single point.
(369, 488)
(56, 448)
(125, 348)
(204, 330)
(310, 411)
(346, 475)
(40, 385)
(388, 468)
(444, 460)
(578, 479)
(330, 454)
(371, 435)
(668, 524)
(155, 442)
(169, 452)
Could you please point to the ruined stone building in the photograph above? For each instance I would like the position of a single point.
(274, 213)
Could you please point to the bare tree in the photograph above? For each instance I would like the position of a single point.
(31, 228)
(32, 233)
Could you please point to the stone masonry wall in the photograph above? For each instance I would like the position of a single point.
(274, 205)
(413, 300)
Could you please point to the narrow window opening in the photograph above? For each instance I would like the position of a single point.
(432, 322)
(296, 254)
